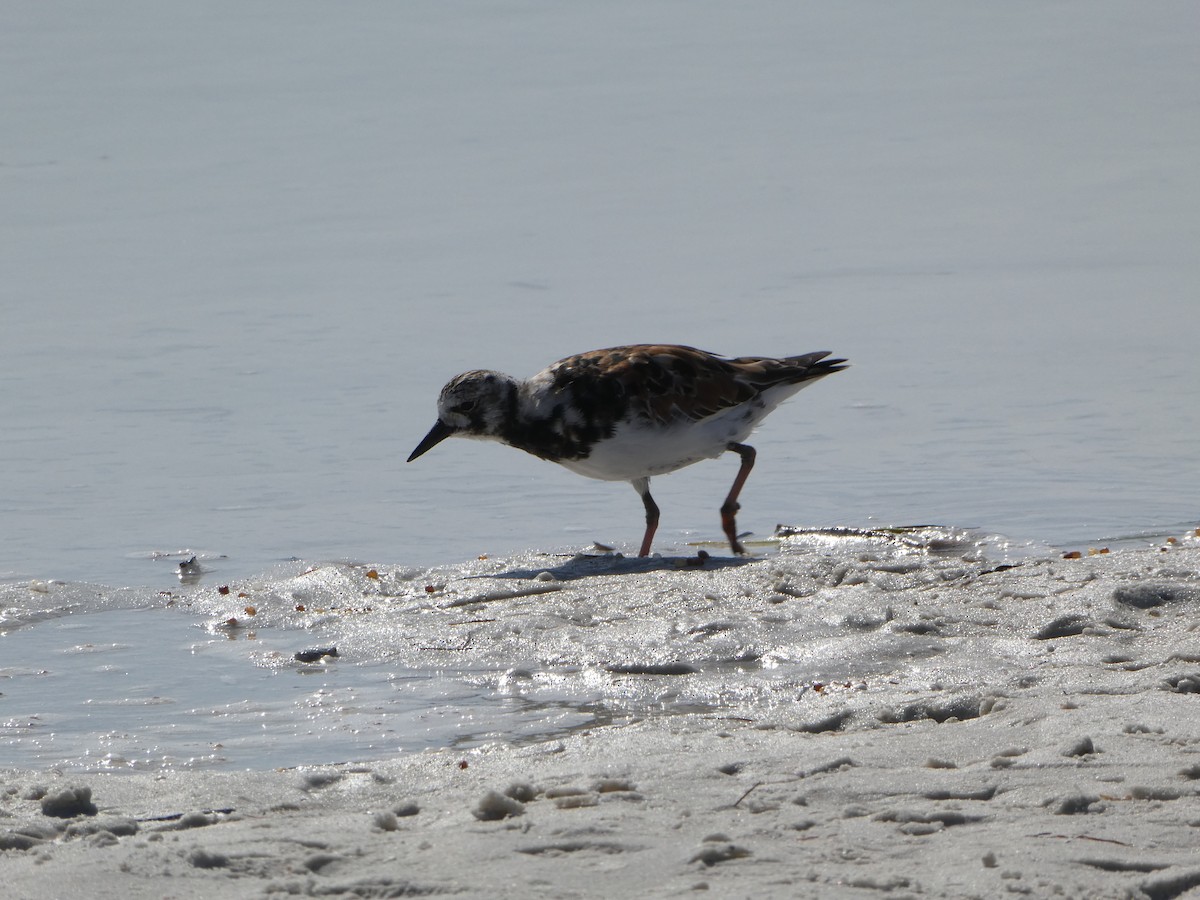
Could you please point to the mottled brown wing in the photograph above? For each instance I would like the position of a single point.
(668, 382)
(662, 382)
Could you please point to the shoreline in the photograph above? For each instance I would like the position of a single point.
(1029, 728)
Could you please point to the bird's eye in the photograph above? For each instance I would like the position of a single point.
(466, 406)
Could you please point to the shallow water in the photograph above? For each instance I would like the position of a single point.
(409, 659)
(141, 689)
(232, 297)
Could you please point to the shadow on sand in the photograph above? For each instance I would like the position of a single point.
(590, 565)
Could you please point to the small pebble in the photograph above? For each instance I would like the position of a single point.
(315, 653)
(494, 806)
(68, 803)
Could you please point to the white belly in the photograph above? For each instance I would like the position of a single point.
(643, 452)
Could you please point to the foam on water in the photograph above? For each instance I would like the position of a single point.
(207, 676)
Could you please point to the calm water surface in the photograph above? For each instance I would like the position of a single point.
(257, 447)
(242, 253)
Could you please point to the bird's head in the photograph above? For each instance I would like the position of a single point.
(474, 404)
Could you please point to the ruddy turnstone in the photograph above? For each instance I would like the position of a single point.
(629, 413)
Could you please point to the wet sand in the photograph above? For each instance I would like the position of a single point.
(1028, 729)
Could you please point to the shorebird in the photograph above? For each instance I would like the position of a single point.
(630, 413)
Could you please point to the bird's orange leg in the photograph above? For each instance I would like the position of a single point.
(730, 507)
(642, 486)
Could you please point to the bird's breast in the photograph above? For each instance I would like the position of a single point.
(641, 450)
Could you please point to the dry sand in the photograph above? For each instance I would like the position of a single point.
(990, 730)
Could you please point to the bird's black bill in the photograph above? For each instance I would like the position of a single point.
(438, 433)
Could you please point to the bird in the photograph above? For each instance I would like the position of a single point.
(630, 413)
